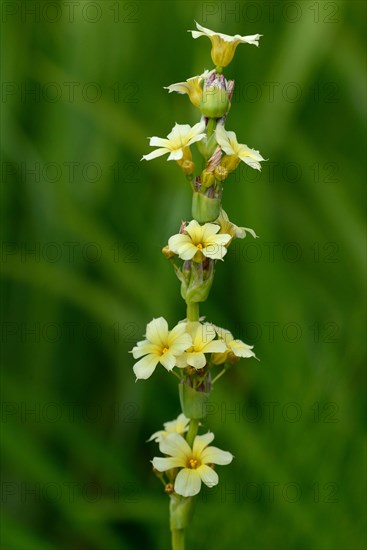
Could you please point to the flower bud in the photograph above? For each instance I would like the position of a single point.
(167, 252)
(187, 166)
(221, 173)
(207, 178)
(169, 488)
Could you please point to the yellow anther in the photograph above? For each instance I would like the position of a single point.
(164, 350)
(193, 463)
(199, 246)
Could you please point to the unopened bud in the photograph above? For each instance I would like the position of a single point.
(221, 173)
(169, 488)
(166, 251)
(187, 166)
(207, 178)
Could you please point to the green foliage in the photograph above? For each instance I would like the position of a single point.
(76, 471)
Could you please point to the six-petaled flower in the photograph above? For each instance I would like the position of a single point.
(194, 462)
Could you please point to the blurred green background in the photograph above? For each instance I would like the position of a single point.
(84, 222)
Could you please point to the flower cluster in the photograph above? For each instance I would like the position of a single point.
(188, 344)
(197, 352)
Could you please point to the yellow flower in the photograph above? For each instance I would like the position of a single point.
(194, 463)
(161, 346)
(202, 342)
(199, 241)
(181, 137)
(180, 426)
(223, 45)
(234, 346)
(229, 144)
(193, 87)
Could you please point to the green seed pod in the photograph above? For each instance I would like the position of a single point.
(205, 209)
(215, 102)
(193, 403)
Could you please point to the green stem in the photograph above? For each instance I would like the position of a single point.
(193, 430)
(219, 375)
(212, 124)
(193, 311)
(178, 539)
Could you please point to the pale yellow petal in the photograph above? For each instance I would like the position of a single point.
(208, 475)
(213, 455)
(188, 482)
(175, 445)
(194, 229)
(196, 359)
(163, 464)
(144, 368)
(157, 331)
(155, 154)
(200, 442)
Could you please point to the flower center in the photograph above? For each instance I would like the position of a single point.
(193, 463)
(164, 350)
(199, 246)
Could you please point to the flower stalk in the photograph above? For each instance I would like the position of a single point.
(198, 353)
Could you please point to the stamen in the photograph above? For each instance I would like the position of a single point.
(199, 246)
(164, 350)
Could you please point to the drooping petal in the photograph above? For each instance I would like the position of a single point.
(188, 482)
(200, 442)
(250, 157)
(175, 445)
(144, 368)
(213, 455)
(240, 349)
(157, 331)
(208, 475)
